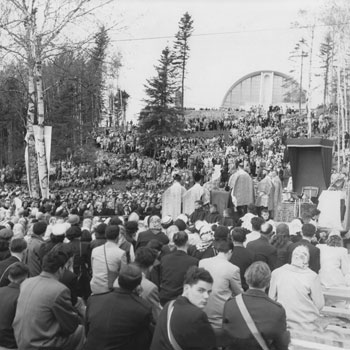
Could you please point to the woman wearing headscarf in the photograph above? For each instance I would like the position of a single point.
(298, 289)
(335, 267)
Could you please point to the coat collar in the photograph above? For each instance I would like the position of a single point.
(256, 293)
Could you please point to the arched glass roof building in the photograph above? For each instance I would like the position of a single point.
(264, 88)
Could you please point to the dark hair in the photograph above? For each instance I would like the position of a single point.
(18, 245)
(145, 257)
(57, 239)
(177, 177)
(115, 221)
(130, 276)
(223, 246)
(54, 260)
(258, 275)
(112, 232)
(256, 223)
(100, 230)
(195, 274)
(281, 238)
(197, 177)
(180, 238)
(18, 271)
(85, 236)
(252, 209)
(73, 232)
(239, 234)
(308, 230)
(155, 244)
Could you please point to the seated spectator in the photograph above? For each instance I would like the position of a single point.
(18, 272)
(18, 248)
(247, 218)
(256, 223)
(45, 317)
(120, 319)
(5, 237)
(308, 233)
(188, 324)
(335, 267)
(213, 216)
(173, 268)
(106, 261)
(144, 259)
(154, 232)
(199, 212)
(298, 289)
(227, 281)
(281, 242)
(262, 249)
(241, 256)
(268, 316)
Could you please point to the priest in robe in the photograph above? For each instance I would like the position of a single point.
(265, 193)
(172, 199)
(242, 189)
(195, 193)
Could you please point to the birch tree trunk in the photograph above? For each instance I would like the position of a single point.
(338, 116)
(32, 165)
(309, 91)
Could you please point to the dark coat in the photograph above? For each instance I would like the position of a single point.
(8, 304)
(314, 262)
(118, 320)
(4, 270)
(145, 236)
(263, 251)
(268, 316)
(189, 325)
(243, 258)
(173, 268)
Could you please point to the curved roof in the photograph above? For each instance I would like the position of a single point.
(250, 75)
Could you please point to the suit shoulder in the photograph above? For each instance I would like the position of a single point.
(143, 304)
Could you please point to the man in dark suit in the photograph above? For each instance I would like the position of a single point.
(189, 325)
(154, 232)
(18, 247)
(241, 256)
(262, 249)
(308, 232)
(268, 315)
(173, 268)
(18, 272)
(119, 319)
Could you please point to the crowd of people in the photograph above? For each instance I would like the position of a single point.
(187, 256)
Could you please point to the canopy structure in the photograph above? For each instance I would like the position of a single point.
(311, 162)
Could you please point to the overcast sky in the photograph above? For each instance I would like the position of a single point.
(256, 38)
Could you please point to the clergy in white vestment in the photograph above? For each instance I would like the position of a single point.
(278, 191)
(172, 199)
(265, 193)
(195, 193)
(242, 187)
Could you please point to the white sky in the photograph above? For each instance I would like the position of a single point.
(216, 61)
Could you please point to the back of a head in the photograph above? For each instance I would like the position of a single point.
(130, 277)
(115, 221)
(145, 257)
(177, 177)
(266, 229)
(100, 230)
(197, 177)
(282, 229)
(180, 238)
(258, 275)
(18, 245)
(195, 274)
(18, 272)
(223, 246)
(112, 232)
(39, 228)
(256, 223)
(155, 244)
(308, 230)
(54, 260)
(238, 234)
(73, 232)
(252, 209)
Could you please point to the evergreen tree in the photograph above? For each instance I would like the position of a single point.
(160, 117)
(182, 50)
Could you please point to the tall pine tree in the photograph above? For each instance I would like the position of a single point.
(182, 51)
(160, 116)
